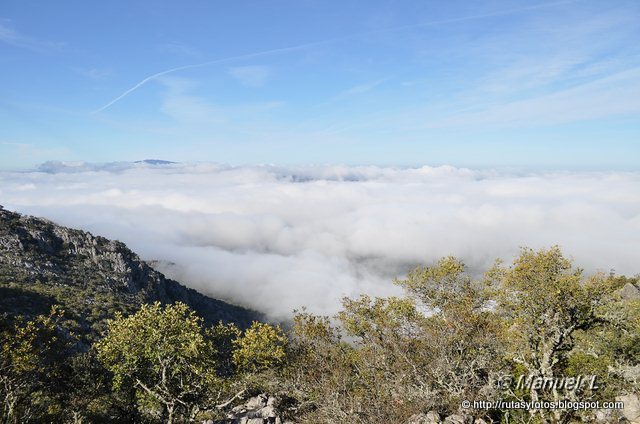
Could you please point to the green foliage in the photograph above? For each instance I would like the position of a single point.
(165, 354)
(223, 336)
(30, 354)
(545, 303)
(438, 286)
(622, 337)
(323, 371)
(260, 347)
(176, 366)
(398, 357)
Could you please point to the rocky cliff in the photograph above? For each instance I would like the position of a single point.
(91, 277)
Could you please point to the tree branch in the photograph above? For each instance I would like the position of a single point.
(236, 396)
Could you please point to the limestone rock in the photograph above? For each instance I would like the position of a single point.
(603, 416)
(430, 417)
(454, 419)
(261, 409)
(631, 409)
(630, 292)
(632, 374)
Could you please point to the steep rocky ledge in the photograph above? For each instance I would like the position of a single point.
(42, 264)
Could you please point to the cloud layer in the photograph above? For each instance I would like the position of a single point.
(281, 238)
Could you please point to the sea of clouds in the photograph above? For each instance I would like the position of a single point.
(279, 238)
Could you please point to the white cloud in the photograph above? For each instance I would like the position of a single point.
(180, 49)
(14, 38)
(280, 238)
(94, 73)
(251, 76)
(363, 88)
(615, 95)
(184, 107)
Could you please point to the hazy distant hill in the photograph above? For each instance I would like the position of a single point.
(91, 277)
(55, 166)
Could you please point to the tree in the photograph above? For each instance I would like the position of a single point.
(30, 361)
(388, 358)
(260, 347)
(166, 355)
(545, 302)
(460, 332)
(322, 373)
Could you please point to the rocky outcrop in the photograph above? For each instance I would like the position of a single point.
(631, 409)
(261, 409)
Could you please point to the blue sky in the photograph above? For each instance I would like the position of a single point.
(404, 83)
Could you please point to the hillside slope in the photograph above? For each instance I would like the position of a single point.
(91, 277)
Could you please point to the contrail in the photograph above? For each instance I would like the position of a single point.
(212, 62)
(328, 41)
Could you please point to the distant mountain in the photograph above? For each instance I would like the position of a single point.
(91, 277)
(155, 162)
